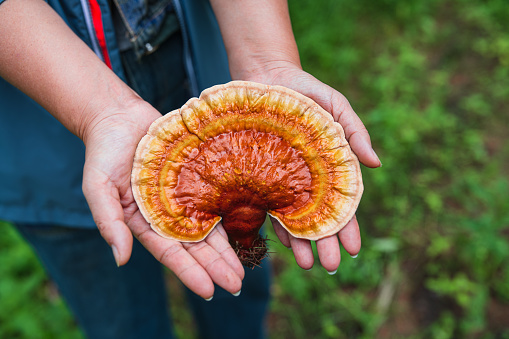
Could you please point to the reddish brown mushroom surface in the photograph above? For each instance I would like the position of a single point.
(239, 151)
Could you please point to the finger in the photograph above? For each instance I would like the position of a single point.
(219, 227)
(342, 112)
(173, 255)
(303, 252)
(217, 268)
(104, 203)
(355, 131)
(217, 241)
(361, 146)
(350, 237)
(281, 232)
(329, 253)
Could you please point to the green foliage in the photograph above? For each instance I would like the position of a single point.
(29, 304)
(430, 79)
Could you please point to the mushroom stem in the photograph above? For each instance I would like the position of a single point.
(243, 224)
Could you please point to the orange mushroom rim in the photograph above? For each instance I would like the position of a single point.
(242, 150)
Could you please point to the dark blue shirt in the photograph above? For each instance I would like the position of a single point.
(41, 162)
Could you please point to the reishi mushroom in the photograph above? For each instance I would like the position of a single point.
(239, 151)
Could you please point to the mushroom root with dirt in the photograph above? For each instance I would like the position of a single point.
(239, 151)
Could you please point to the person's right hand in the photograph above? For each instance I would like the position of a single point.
(110, 147)
(45, 59)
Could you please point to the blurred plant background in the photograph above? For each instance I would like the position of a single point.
(430, 79)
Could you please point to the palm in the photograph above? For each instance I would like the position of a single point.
(358, 137)
(107, 187)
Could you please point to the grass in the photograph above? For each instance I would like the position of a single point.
(430, 79)
(30, 306)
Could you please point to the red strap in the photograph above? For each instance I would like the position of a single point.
(99, 30)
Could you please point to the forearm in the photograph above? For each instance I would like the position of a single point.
(41, 56)
(258, 36)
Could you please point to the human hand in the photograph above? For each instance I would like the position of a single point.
(261, 48)
(81, 92)
(335, 103)
(110, 147)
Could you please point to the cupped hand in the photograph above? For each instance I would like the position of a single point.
(111, 143)
(336, 104)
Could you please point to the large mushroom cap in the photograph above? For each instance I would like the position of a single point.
(240, 151)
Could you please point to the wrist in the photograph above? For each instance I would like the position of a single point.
(258, 38)
(264, 71)
(119, 108)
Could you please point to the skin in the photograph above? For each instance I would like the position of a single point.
(261, 47)
(41, 56)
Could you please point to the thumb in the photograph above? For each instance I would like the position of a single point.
(104, 202)
(337, 104)
(355, 131)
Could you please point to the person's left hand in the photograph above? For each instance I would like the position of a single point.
(336, 104)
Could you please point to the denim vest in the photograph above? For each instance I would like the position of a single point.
(41, 162)
(147, 25)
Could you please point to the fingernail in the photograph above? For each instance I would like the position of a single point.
(236, 294)
(116, 255)
(309, 269)
(374, 153)
(355, 256)
(209, 299)
(332, 272)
